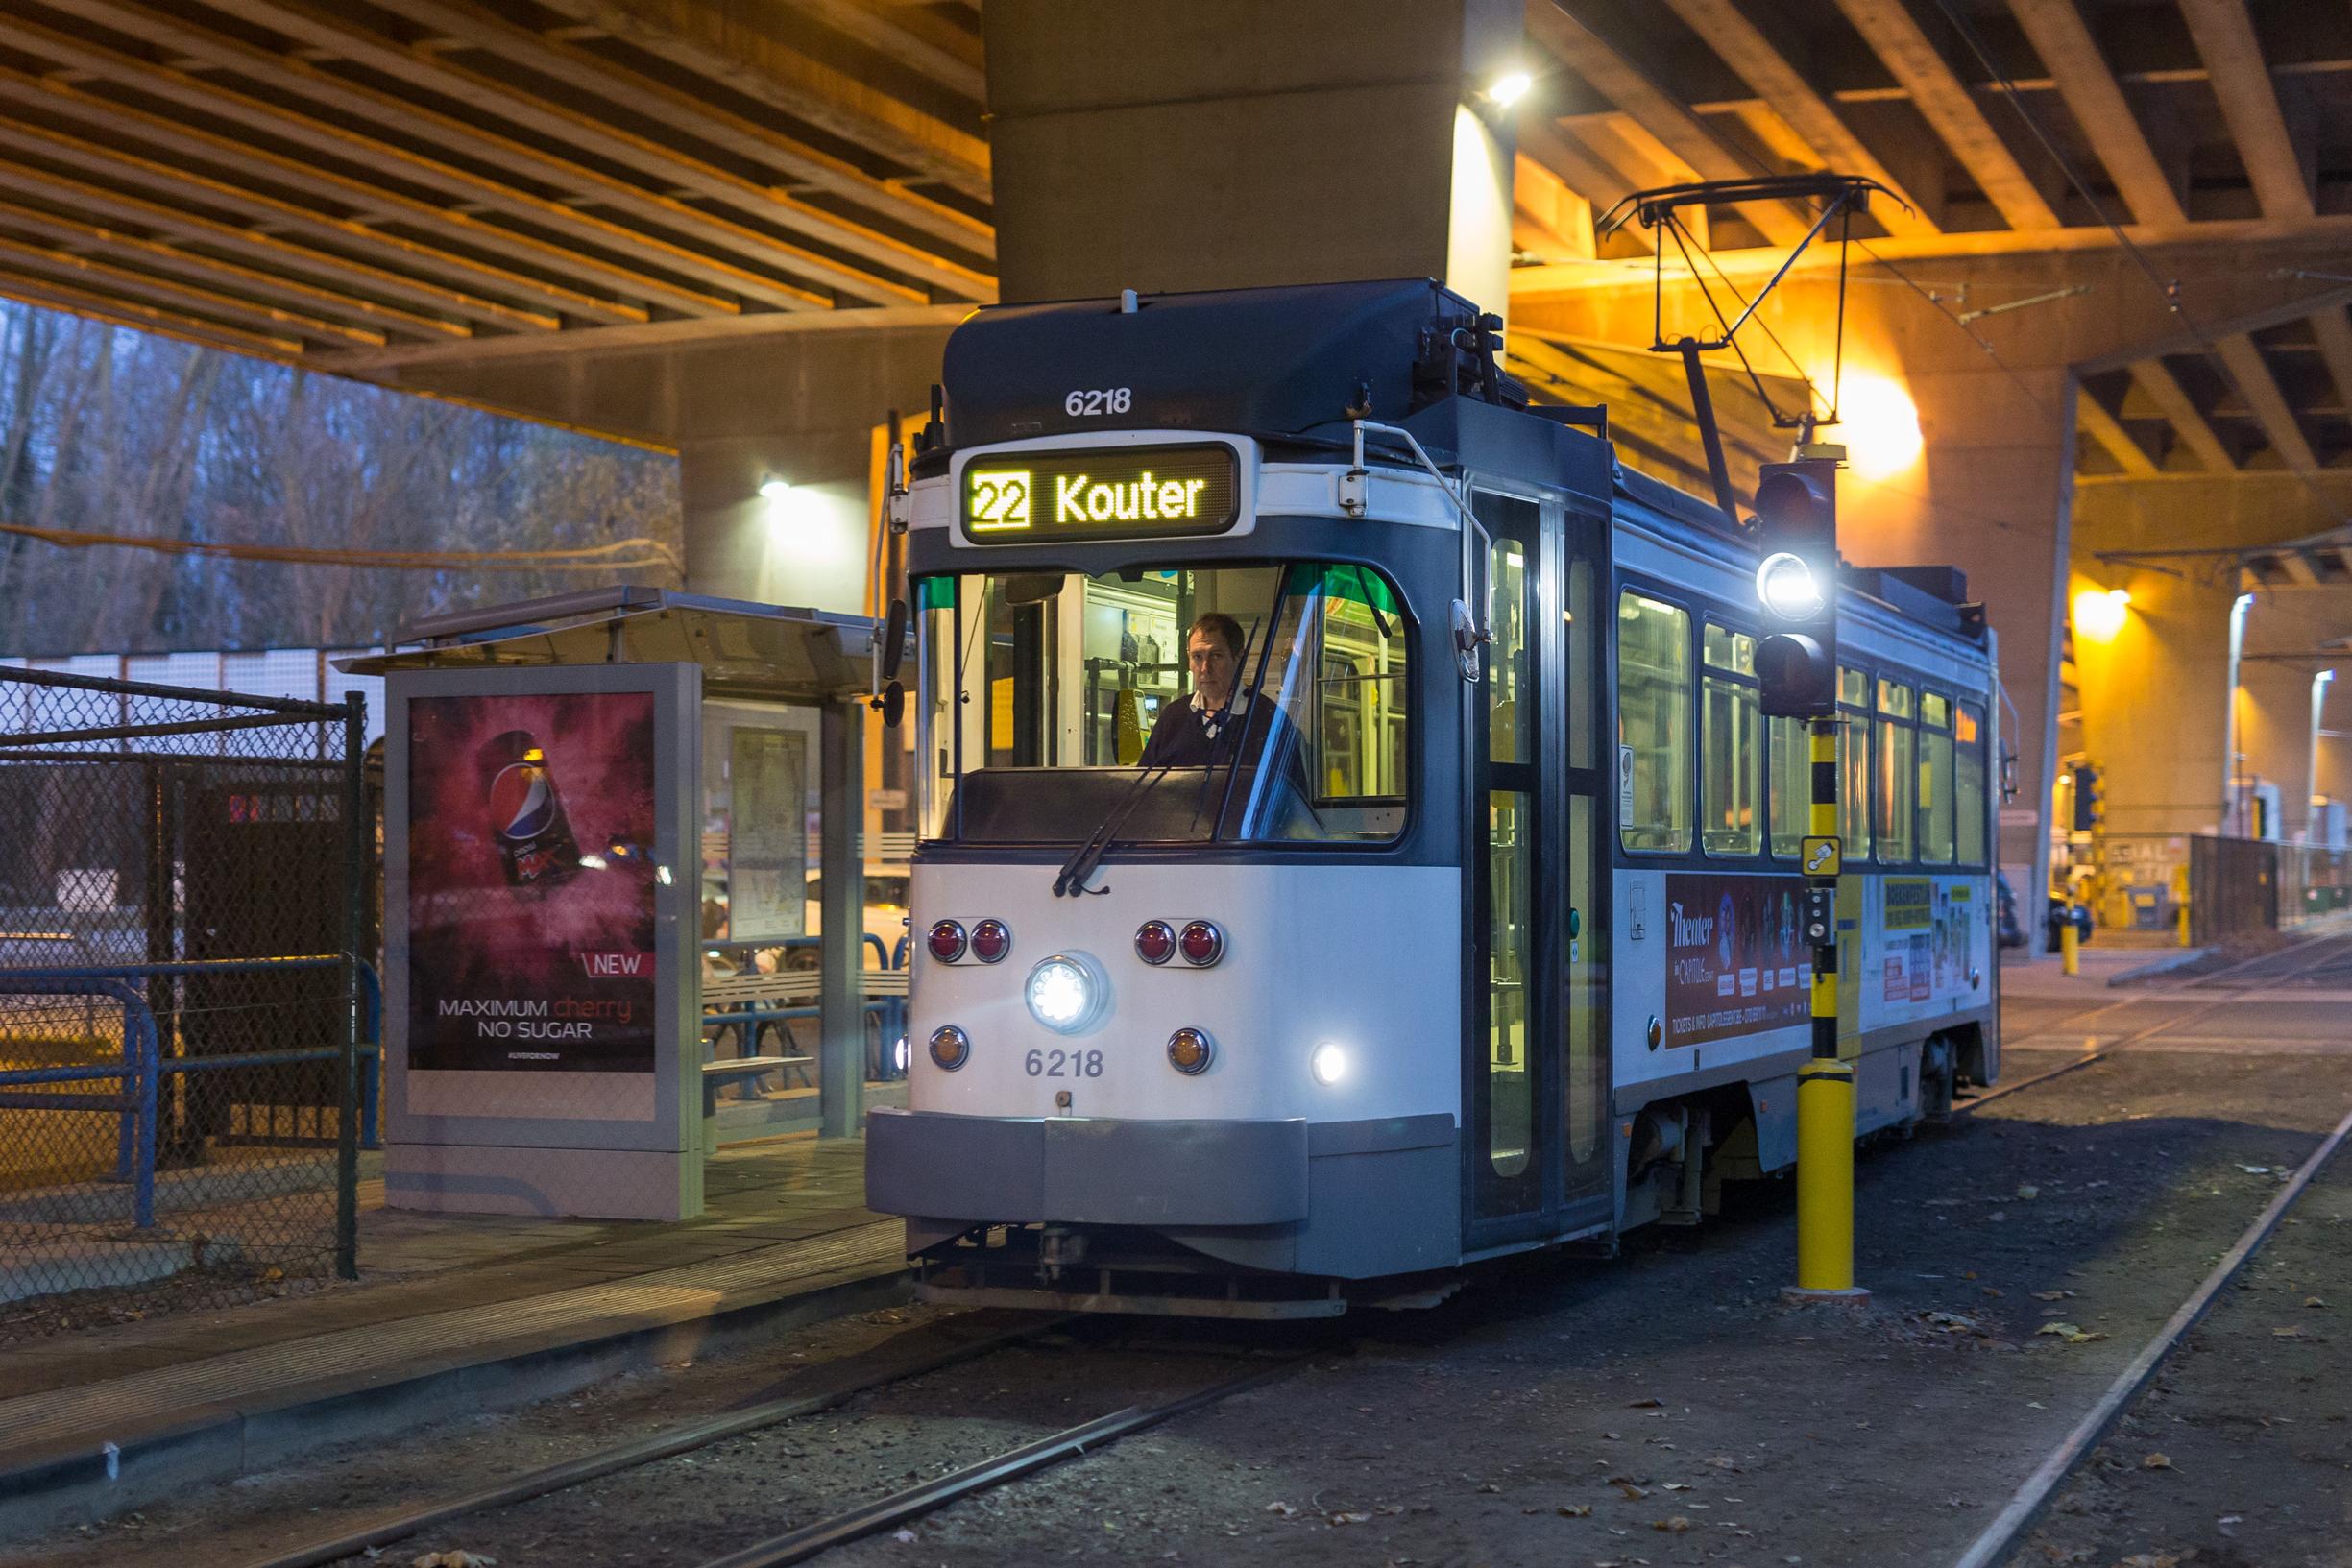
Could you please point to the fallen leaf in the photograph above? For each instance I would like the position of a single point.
(1490, 1487)
(1337, 1519)
(2082, 1338)
(2029, 1191)
(1645, 1403)
(1576, 1510)
(1633, 1493)
(1678, 1485)
(2313, 1301)
(453, 1560)
(1282, 1509)
(2289, 1332)
(2051, 1295)
(2054, 1327)
(2157, 1462)
(1723, 1462)
(1991, 1291)
(1674, 1526)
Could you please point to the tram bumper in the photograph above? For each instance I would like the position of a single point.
(1085, 1171)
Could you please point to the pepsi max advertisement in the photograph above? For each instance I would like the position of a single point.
(1736, 962)
(531, 883)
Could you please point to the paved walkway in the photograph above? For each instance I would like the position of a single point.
(452, 1312)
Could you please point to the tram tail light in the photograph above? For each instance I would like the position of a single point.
(991, 940)
(946, 941)
(950, 1046)
(1201, 943)
(1155, 942)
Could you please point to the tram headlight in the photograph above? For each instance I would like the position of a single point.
(1065, 993)
(1787, 584)
(1329, 1062)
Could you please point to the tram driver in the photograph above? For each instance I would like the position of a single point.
(1217, 720)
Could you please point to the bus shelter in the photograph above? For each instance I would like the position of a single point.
(746, 722)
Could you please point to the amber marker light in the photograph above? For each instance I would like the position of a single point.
(950, 1046)
(1190, 1051)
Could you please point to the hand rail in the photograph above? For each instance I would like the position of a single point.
(134, 1156)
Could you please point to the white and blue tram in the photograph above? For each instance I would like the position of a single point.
(1484, 936)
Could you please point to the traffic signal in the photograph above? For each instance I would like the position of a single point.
(2090, 796)
(1796, 535)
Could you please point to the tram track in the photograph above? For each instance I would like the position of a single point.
(2005, 1533)
(869, 1373)
(2330, 951)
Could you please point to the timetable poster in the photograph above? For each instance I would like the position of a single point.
(532, 883)
(1736, 962)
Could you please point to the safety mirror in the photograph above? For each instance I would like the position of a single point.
(1467, 639)
(893, 705)
(893, 640)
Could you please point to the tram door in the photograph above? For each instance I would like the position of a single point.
(1536, 1065)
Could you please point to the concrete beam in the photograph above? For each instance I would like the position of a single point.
(1749, 51)
(2268, 406)
(2113, 439)
(2224, 35)
(2061, 36)
(1891, 31)
(2187, 420)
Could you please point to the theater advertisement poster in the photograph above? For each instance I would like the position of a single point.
(1927, 925)
(1736, 962)
(532, 883)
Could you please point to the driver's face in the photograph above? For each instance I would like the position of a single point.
(1212, 664)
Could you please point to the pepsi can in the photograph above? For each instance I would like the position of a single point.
(527, 814)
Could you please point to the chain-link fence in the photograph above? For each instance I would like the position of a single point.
(187, 1058)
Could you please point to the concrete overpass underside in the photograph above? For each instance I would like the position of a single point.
(2107, 278)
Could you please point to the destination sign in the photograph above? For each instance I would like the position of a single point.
(1123, 493)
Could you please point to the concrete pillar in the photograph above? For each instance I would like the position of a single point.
(2284, 634)
(2153, 696)
(1197, 144)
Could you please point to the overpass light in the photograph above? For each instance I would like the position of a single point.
(1509, 88)
(2098, 614)
(1880, 425)
(775, 488)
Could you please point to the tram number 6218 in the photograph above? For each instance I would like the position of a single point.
(1063, 1064)
(1099, 400)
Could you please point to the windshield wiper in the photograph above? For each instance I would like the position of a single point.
(1070, 881)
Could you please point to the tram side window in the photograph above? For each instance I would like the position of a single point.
(1731, 821)
(1652, 724)
(1896, 778)
(1854, 762)
(1968, 781)
(1935, 783)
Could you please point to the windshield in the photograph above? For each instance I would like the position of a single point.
(1258, 703)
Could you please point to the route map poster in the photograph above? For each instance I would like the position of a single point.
(532, 883)
(1735, 961)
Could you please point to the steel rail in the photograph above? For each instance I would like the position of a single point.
(1999, 1538)
(2103, 1052)
(809, 1541)
(648, 1450)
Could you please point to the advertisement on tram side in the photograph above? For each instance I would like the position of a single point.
(532, 883)
(1736, 962)
(1927, 924)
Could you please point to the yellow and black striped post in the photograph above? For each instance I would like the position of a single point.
(1825, 1086)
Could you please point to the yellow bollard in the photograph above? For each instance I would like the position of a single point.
(2184, 924)
(1825, 1179)
(2069, 945)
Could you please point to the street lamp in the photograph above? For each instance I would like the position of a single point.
(2310, 790)
(2230, 811)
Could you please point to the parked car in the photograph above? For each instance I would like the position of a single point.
(2060, 915)
(2011, 932)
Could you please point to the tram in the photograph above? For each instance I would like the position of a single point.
(1350, 845)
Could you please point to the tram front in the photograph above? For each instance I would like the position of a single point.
(1187, 1000)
